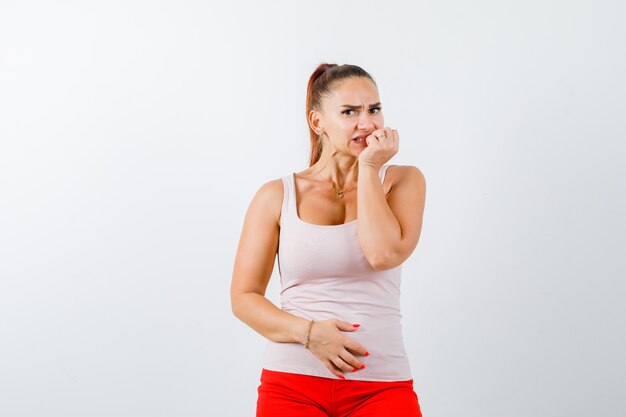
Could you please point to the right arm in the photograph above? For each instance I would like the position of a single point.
(252, 271)
(254, 263)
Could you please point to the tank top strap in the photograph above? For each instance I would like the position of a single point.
(383, 172)
(288, 193)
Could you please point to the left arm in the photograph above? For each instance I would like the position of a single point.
(389, 227)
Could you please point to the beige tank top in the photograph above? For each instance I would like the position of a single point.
(324, 274)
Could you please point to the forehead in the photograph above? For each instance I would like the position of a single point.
(354, 90)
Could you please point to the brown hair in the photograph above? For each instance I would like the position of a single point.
(322, 81)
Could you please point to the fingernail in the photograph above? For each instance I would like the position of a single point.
(362, 366)
(354, 370)
(356, 325)
(367, 353)
(342, 377)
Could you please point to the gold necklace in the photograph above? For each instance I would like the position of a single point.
(340, 192)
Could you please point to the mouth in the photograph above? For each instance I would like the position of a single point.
(361, 138)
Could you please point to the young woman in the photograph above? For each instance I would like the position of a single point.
(341, 229)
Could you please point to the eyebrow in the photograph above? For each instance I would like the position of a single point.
(350, 106)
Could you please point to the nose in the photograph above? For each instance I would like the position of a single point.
(366, 121)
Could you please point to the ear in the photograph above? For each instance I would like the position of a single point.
(315, 120)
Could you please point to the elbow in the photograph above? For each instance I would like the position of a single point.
(380, 266)
(241, 305)
(382, 262)
(235, 304)
(387, 260)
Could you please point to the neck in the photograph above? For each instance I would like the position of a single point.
(340, 170)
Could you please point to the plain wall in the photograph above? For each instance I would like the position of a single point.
(133, 135)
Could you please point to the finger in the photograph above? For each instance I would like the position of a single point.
(371, 139)
(341, 364)
(396, 143)
(352, 361)
(355, 347)
(345, 326)
(334, 370)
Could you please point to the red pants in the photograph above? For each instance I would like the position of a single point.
(284, 394)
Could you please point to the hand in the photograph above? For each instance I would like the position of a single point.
(334, 349)
(380, 150)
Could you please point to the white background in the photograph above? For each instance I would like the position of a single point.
(134, 134)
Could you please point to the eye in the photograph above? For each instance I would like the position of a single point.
(372, 110)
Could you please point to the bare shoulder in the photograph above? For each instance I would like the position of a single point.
(268, 200)
(405, 174)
